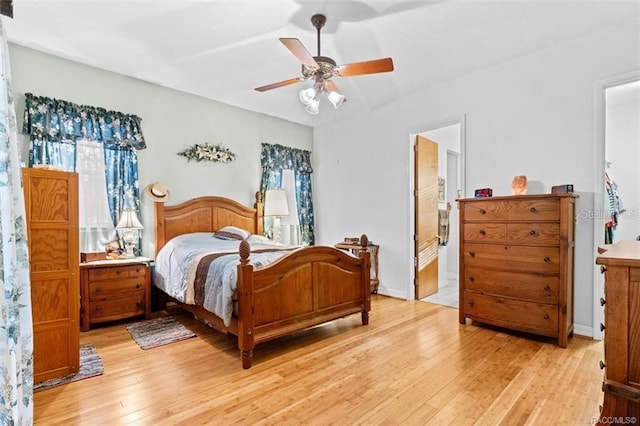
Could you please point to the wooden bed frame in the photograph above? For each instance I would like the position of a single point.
(309, 286)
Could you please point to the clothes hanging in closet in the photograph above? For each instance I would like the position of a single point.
(614, 208)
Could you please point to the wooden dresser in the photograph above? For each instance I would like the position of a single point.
(516, 263)
(621, 266)
(51, 201)
(114, 289)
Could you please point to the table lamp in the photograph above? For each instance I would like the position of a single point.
(275, 205)
(129, 227)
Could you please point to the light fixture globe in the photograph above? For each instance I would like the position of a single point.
(336, 99)
(307, 96)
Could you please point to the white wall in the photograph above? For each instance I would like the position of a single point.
(171, 122)
(534, 115)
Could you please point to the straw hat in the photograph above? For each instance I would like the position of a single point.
(157, 192)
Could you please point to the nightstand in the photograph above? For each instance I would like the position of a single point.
(114, 289)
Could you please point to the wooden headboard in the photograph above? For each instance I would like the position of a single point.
(205, 214)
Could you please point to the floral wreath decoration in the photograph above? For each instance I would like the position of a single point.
(206, 152)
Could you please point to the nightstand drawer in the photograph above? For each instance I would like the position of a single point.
(99, 290)
(113, 309)
(117, 272)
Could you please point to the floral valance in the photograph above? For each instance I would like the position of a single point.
(56, 119)
(283, 157)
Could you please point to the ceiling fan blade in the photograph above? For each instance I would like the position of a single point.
(279, 84)
(300, 52)
(367, 67)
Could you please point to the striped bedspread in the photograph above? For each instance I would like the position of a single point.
(201, 269)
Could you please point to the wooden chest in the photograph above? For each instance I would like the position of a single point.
(113, 290)
(516, 263)
(621, 266)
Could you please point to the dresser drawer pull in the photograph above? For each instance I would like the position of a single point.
(603, 269)
(138, 285)
(533, 233)
(602, 327)
(139, 304)
(546, 316)
(533, 210)
(98, 308)
(483, 232)
(547, 288)
(472, 254)
(98, 290)
(483, 211)
(470, 302)
(547, 259)
(602, 301)
(602, 365)
(472, 279)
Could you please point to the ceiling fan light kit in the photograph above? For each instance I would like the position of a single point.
(321, 69)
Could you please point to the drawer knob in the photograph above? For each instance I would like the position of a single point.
(603, 269)
(534, 210)
(602, 327)
(139, 303)
(483, 211)
(547, 259)
(470, 302)
(483, 232)
(472, 279)
(547, 288)
(98, 290)
(138, 285)
(602, 365)
(533, 233)
(472, 254)
(546, 316)
(602, 301)
(98, 308)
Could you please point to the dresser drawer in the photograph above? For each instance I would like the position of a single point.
(485, 210)
(105, 289)
(520, 315)
(543, 260)
(112, 309)
(533, 233)
(485, 232)
(518, 285)
(533, 210)
(116, 273)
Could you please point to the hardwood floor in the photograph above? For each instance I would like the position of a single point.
(412, 365)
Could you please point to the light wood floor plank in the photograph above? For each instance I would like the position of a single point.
(414, 364)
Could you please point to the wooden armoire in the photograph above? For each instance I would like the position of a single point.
(51, 201)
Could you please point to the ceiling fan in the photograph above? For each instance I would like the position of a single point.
(322, 69)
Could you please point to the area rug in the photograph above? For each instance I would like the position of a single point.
(159, 331)
(90, 366)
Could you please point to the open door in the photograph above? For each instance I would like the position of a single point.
(426, 217)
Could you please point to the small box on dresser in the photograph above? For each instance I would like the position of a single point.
(114, 289)
(516, 263)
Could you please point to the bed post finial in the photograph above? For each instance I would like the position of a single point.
(364, 241)
(245, 251)
(258, 197)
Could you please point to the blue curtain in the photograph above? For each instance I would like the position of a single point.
(16, 328)
(54, 125)
(276, 158)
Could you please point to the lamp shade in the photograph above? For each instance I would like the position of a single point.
(129, 220)
(275, 203)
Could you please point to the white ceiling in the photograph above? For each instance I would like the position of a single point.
(223, 49)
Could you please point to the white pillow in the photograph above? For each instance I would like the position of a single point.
(232, 233)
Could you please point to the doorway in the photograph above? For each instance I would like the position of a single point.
(617, 158)
(449, 137)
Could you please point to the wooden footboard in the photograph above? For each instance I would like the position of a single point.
(308, 287)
